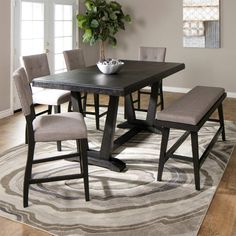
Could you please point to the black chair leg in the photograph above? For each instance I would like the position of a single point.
(162, 160)
(96, 107)
(69, 107)
(85, 103)
(28, 171)
(196, 164)
(57, 109)
(221, 118)
(84, 165)
(26, 135)
(79, 157)
(161, 95)
(49, 109)
(139, 99)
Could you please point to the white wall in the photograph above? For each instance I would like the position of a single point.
(5, 61)
(159, 23)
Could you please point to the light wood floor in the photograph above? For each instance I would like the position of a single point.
(221, 216)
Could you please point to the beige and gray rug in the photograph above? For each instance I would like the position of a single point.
(128, 203)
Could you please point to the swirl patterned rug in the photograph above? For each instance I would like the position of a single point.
(127, 203)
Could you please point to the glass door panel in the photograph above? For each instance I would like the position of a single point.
(32, 28)
(63, 34)
(44, 26)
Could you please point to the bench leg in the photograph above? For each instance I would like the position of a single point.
(196, 164)
(221, 118)
(162, 160)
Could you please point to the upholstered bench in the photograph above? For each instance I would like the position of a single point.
(190, 113)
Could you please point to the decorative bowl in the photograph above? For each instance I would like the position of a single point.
(110, 66)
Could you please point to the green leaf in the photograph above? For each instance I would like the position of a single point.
(127, 18)
(93, 40)
(111, 30)
(87, 35)
(113, 16)
(82, 20)
(122, 25)
(115, 5)
(94, 23)
(101, 21)
(112, 41)
(89, 5)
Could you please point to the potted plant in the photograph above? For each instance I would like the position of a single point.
(101, 21)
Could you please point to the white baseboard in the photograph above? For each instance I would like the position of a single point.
(185, 90)
(176, 89)
(6, 113)
(231, 95)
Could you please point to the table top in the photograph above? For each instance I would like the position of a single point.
(133, 76)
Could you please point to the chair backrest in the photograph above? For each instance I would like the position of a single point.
(152, 54)
(36, 66)
(74, 59)
(24, 90)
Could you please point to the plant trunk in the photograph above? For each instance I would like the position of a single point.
(102, 51)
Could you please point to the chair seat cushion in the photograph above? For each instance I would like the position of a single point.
(59, 127)
(51, 97)
(191, 108)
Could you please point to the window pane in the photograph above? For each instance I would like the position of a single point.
(38, 46)
(59, 45)
(63, 34)
(38, 11)
(29, 46)
(68, 12)
(67, 43)
(67, 28)
(58, 12)
(26, 47)
(38, 29)
(59, 62)
(59, 28)
(26, 11)
(62, 44)
(26, 30)
(32, 28)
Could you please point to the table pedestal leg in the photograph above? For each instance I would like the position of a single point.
(105, 157)
(148, 123)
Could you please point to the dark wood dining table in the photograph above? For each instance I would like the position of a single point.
(133, 76)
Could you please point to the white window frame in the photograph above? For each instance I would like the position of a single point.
(49, 38)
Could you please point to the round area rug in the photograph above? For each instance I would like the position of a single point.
(127, 203)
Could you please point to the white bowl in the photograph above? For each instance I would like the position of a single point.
(110, 68)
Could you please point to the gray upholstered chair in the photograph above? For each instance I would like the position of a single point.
(47, 128)
(151, 54)
(37, 66)
(74, 59)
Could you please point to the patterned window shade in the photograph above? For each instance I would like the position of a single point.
(193, 28)
(200, 13)
(200, 10)
(200, 3)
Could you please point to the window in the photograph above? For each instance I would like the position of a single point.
(45, 26)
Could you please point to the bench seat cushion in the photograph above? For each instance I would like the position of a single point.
(191, 108)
